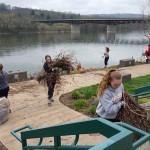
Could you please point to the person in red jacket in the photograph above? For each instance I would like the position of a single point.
(147, 52)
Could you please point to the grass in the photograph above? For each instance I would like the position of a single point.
(129, 87)
(89, 91)
(83, 97)
(144, 100)
(92, 109)
(75, 94)
(79, 103)
(136, 83)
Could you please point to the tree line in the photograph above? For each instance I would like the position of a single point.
(16, 19)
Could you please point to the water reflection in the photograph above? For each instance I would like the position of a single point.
(26, 51)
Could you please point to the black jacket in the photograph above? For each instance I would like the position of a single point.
(47, 68)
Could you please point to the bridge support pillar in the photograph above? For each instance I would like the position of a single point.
(111, 28)
(111, 37)
(75, 28)
(75, 35)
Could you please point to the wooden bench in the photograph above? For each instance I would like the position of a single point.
(142, 92)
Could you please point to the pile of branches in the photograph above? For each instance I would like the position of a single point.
(47, 78)
(135, 115)
(64, 61)
(61, 63)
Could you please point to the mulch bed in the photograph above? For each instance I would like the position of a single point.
(68, 101)
(133, 113)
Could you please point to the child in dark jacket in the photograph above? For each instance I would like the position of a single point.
(50, 83)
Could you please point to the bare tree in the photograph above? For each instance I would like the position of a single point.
(146, 18)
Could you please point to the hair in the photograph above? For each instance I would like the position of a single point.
(111, 74)
(1, 67)
(107, 49)
(47, 57)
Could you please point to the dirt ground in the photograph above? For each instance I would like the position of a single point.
(68, 101)
(28, 101)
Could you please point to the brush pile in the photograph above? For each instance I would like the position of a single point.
(135, 115)
(61, 63)
(64, 61)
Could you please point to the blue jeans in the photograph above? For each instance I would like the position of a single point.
(4, 92)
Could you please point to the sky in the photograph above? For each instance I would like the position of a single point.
(83, 6)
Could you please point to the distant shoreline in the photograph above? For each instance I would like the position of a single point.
(38, 32)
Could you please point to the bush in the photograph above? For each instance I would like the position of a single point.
(89, 91)
(79, 103)
(75, 94)
(92, 110)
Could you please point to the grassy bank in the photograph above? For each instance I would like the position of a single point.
(136, 83)
(85, 95)
(129, 86)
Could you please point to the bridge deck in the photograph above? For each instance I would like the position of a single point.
(96, 21)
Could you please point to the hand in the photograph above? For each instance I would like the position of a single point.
(123, 104)
(55, 69)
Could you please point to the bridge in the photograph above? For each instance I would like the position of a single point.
(96, 21)
(111, 23)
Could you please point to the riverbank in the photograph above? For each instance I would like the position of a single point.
(29, 105)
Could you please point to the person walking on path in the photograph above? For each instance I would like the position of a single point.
(4, 87)
(106, 55)
(50, 80)
(110, 95)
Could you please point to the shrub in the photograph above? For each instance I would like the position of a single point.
(92, 109)
(75, 94)
(89, 91)
(79, 103)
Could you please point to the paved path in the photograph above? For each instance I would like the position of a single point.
(29, 105)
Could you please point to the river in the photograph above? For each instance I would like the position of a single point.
(26, 51)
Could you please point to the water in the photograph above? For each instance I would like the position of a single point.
(27, 51)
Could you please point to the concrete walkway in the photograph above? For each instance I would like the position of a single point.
(29, 106)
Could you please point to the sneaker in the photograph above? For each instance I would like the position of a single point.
(52, 100)
(49, 102)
